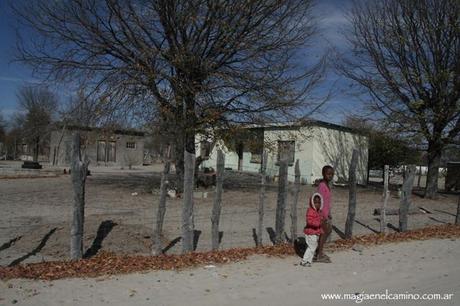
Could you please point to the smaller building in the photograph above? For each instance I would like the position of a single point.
(104, 147)
(314, 144)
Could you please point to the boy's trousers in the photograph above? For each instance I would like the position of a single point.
(312, 244)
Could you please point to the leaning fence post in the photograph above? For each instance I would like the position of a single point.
(296, 192)
(217, 205)
(351, 195)
(263, 179)
(405, 197)
(386, 194)
(157, 248)
(187, 208)
(281, 202)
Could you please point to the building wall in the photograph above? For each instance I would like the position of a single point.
(315, 147)
(124, 157)
(335, 147)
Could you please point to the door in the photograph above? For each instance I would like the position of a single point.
(111, 151)
(101, 151)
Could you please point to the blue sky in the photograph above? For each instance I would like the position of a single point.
(332, 22)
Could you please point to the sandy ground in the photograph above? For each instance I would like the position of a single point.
(418, 267)
(120, 207)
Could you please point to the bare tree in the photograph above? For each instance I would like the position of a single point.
(406, 54)
(39, 104)
(195, 63)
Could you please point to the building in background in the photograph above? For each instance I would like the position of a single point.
(314, 144)
(104, 147)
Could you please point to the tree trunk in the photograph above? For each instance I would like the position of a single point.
(179, 162)
(457, 217)
(79, 171)
(351, 195)
(295, 194)
(419, 177)
(36, 148)
(408, 184)
(217, 205)
(434, 161)
(187, 208)
(263, 178)
(57, 148)
(281, 203)
(157, 247)
(386, 195)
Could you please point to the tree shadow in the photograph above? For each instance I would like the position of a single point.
(34, 251)
(338, 232)
(254, 236)
(439, 221)
(445, 212)
(102, 232)
(221, 235)
(171, 244)
(391, 226)
(10, 243)
(271, 234)
(196, 238)
(367, 226)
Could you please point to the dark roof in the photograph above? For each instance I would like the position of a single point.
(117, 131)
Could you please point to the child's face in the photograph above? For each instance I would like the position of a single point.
(317, 203)
(328, 174)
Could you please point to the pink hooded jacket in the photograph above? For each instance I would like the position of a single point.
(314, 217)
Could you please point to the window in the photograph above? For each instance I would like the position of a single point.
(130, 145)
(256, 158)
(286, 150)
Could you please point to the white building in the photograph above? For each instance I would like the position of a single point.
(315, 144)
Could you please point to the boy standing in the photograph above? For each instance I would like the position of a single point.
(324, 190)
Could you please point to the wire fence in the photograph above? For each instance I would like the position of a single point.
(32, 207)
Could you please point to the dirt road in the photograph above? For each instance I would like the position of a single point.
(419, 267)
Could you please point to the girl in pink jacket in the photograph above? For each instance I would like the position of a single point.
(313, 229)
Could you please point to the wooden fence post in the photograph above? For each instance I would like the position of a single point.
(386, 194)
(419, 176)
(187, 208)
(406, 193)
(157, 247)
(263, 179)
(79, 171)
(351, 195)
(217, 205)
(295, 194)
(281, 202)
(457, 217)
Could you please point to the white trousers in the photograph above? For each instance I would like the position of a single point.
(312, 244)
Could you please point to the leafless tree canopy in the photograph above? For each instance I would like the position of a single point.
(407, 55)
(199, 60)
(195, 64)
(39, 105)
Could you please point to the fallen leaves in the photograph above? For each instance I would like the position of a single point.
(106, 263)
